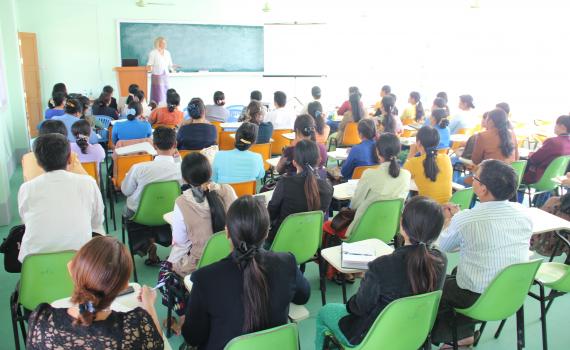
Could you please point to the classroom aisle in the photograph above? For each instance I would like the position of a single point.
(558, 323)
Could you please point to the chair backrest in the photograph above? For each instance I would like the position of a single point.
(556, 168)
(381, 220)
(506, 293)
(110, 144)
(519, 166)
(103, 119)
(279, 142)
(562, 283)
(284, 337)
(218, 126)
(359, 170)
(183, 153)
(124, 164)
(415, 313)
(226, 142)
(244, 188)
(263, 149)
(92, 169)
(217, 248)
(463, 198)
(235, 112)
(300, 234)
(157, 199)
(350, 135)
(171, 126)
(45, 279)
(443, 151)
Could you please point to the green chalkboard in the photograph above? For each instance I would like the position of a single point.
(216, 48)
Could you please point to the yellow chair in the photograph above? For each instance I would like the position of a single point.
(92, 170)
(357, 172)
(443, 151)
(244, 188)
(350, 136)
(226, 141)
(218, 126)
(264, 149)
(280, 142)
(110, 144)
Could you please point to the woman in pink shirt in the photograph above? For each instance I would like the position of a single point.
(87, 153)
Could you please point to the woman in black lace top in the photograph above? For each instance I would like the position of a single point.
(100, 271)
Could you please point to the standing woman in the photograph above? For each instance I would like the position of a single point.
(160, 64)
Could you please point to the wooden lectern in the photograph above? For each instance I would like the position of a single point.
(132, 75)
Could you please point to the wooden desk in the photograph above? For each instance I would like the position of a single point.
(233, 125)
(339, 154)
(289, 136)
(273, 161)
(345, 191)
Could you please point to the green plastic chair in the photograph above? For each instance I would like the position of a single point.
(463, 198)
(217, 248)
(44, 279)
(284, 337)
(556, 168)
(381, 221)
(416, 314)
(301, 235)
(519, 166)
(504, 297)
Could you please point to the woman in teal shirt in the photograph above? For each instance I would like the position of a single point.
(440, 123)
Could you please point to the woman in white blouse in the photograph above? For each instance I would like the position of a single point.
(159, 63)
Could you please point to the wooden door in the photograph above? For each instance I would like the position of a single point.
(31, 78)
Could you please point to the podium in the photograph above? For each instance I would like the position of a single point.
(132, 75)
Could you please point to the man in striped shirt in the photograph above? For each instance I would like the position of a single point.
(489, 237)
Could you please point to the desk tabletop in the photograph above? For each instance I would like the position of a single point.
(289, 136)
(339, 154)
(273, 161)
(333, 254)
(345, 191)
(233, 125)
(545, 222)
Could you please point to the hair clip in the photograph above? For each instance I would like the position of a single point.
(86, 307)
(245, 141)
(131, 111)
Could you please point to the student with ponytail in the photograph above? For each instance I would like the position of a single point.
(136, 127)
(73, 111)
(100, 271)
(217, 112)
(439, 122)
(248, 291)
(431, 171)
(86, 152)
(416, 268)
(465, 118)
(315, 110)
(364, 153)
(498, 141)
(355, 113)
(389, 116)
(301, 192)
(197, 133)
(415, 112)
(58, 102)
(255, 113)
(169, 114)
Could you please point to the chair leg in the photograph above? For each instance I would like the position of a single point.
(343, 282)
(479, 333)
(551, 296)
(454, 332)
(556, 247)
(123, 228)
(322, 282)
(543, 319)
(500, 329)
(136, 278)
(169, 313)
(520, 328)
(13, 306)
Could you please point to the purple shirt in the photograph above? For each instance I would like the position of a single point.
(95, 153)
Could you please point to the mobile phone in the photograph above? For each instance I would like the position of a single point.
(126, 291)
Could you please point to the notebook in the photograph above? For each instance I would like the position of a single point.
(356, 255)
(144, 147)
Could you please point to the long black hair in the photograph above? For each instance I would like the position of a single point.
(428, 137)
(248, 223)
(135, 107)
(357, 112)
(305, 125)
(172, 100)
(388, 147)
(422, 221)
(501, 121)
(390, 114)
(440, 116)
(308, 157)
(315, 110)
(196, 171)
(419, 106)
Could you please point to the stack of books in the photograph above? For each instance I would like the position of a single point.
(356, 255)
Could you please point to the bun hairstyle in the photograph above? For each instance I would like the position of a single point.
(440, 115)
(172, 100)
(100, 271)
(81, 130)
(422, 221)
(467, 100)
(73, 106)
(104, 99)
(315, 110)
(357, 111)
(305, 125)
(440, 102)
(388, 147)
(135, 110)
(196, 108)
(419, 106)
(255, 112)
(428, 137)
(246, 135)
(247, 222)
(443, 95)
(501, 122)
(390, 114)
(307, 156)
(219, 98)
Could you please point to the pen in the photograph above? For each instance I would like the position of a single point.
(161, 284)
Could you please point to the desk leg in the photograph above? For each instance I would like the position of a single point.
(520, 329)
(343, 282)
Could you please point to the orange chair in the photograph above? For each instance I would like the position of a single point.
(154, 126)
(443, 151)
(226, 141)
(280, 142)
(218, 127)
(244, 188)
(350, 136)
(92, 170)
(110, 144)
(185, 152)
(264, 149)
(357, 172)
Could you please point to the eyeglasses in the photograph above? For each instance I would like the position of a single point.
(478, 180)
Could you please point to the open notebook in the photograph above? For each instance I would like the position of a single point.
(357, 255)
(136, 148)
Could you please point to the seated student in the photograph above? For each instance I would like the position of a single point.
(87, 152)
(109, 90)
(551, 149)
(134, 128)
(101, 106)
(74, 110)
(440, 102)
(316, 93)
(304, 130)
(364, 153)
(255, 113)
(389, 116)
(30, 167)
(414, 113)
(246, 292)
(164, 167)
(315, 110)
(124, 101)
(354, 114)
(439, 122)
(347, 105)
(170, 114)
(280, 117)
(197, 133)
(548, 243)
(58, 99)
(430, 170)
(59, 87)
(217, 112)
(498, 141)
(60, 209)
(198, 213)
(239, 164)
(100, 271)
(386, 90)
(304, 191)
(255, 95)
(489, 237)
(416, 268)
(137, 97)
(465, 119)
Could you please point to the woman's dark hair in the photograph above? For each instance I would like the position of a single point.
(133, 89)
(504, 106)
(357, 112)
(419, 106)
(248, 223)
(104, 99)
(422, 221)
(428, 137)
(467, 100)
(255, 112)
(440, 116)
(172, 101)
(440, 102)
(58, 98)
(388, 147)
(73, 106)
(81, 130)
(501, 122)
(139, 95)
(305, 125)
(246, 135)
(315, 110)
(307, 156)
(367, 128)
(354, 90)
(137, 107)
(59, 87)
(196, 108)
(499, 177)
(389, 121)
(443, 95)
(219, 98)
(564, 120)
(196, 171)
